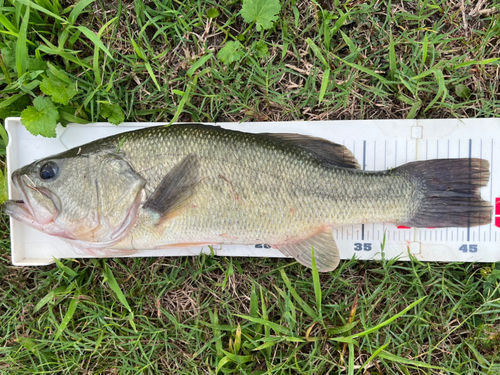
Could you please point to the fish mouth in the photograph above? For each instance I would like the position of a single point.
(21, 209)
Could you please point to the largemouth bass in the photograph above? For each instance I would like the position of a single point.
(193, 185)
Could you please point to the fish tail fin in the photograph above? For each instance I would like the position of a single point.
(449, 190)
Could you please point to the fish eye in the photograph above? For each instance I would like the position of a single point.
(48, 171)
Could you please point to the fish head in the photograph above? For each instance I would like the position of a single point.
(90, 199)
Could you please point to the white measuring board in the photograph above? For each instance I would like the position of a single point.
(377, 144)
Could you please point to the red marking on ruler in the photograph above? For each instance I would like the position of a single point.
(497, 221)
(403, 227)
(497, 206)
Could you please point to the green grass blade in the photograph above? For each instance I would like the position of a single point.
(78, 9)
(68, 316)
(350, 369)
(151, 74)
(214, 319)
(199, 63)
(394, 358)
(65, 55)
(267, 330)
(425, 46)
(11, 99)
(110, 279)
(350, 44)
(221, 364)
(275, 327)
(8, 25)
(363, 69)
(372, 357)
(138, 50)
(388, 321)
(324, 84)
(33, 5)
(339, 23)
(317, 286)
(184, 99)
(481, 62)
(68, 271)
(21, 47)
(308, 310)
(95, 39)
(317, 52)
(392, 58)
(254, 303)
(4, 135)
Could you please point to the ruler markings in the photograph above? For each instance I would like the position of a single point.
(470, 171)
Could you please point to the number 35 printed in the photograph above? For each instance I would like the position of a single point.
(363, 246)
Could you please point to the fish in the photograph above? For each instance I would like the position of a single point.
(188, 185)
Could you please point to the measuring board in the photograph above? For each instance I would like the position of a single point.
(377, 144)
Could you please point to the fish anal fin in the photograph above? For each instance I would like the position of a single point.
(175, 190)
(326, 252)
(326, 151)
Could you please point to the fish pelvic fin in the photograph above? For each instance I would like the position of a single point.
(326, 252)
(173, 193)
(328, 152)
(449, 192)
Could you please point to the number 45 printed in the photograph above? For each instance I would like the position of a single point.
(468, 248)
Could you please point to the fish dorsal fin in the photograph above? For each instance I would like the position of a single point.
(175, 190)
(326, 151)
(326, 252)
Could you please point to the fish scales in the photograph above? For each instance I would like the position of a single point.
(258, 189)
(192, 185)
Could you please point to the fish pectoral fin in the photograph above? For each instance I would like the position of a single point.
(175, 190)
(326, 151)
(326, 252)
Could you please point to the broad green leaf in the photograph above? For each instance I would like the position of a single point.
(212, 13)
(261, 12)
(113, 113)
(462, 91)
(231, 52)
(61, 92)
(261, 49)
(41, 119)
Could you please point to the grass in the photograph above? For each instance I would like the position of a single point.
(160, 61)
